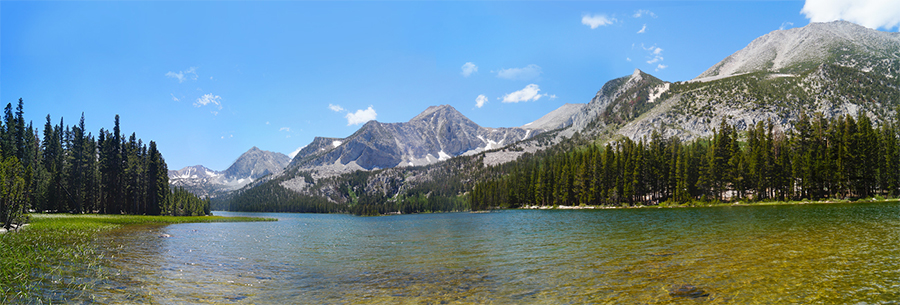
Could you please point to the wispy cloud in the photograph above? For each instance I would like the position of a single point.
(297, 151)
(786, 25)
(660, 67)
(655, 54)
(643, 30)
(529, 93)
(595, 21)
(207, 99)
(361, 116)
(335, 108)
(868, 13)
(175, 98)
(480, 100)
(190, 73)
(642, 13)
(288, 129)
(468, 68)
(529, 72)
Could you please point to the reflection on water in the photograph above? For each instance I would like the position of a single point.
(763, 254)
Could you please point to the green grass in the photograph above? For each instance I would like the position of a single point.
(57, 251)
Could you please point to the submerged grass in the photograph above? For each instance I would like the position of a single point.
(697, 203)
(55, 255)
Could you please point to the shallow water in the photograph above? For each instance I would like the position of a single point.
(848, 253)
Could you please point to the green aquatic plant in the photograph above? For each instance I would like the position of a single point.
(55, 252)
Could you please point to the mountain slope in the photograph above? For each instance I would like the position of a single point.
(800, 49)
(559, 118)
(835, 68)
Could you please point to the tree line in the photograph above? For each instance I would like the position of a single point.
(841, 157)
(68, 169)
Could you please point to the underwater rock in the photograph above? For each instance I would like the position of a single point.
(688, 291)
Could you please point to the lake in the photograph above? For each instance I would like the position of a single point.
(835, 253)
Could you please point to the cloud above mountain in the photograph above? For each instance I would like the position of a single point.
(190, 73)
(529, 72)
(529, 93)
(480, 100)
(335, 108)
(595, 21)
(868, 13)
(468, 68)
(361, 116)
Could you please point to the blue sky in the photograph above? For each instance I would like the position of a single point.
(209, 80)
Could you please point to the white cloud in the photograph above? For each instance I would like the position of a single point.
(174, 98)
(183, 75)
(660, 67)
(553, 96)
(468, 68)
(335, 108)
(655, 54)
(529, 72)
(361, 116)
(297, 151)
(480, 100)
(786, 25)
(643, 30)
(288, 129)
(597, 20)
(207, 99)
(529, 93)
(868, 13)
(641, 13)
(628, 59)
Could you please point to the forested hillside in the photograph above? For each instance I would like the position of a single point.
(843, 157)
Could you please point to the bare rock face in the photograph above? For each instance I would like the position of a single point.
(560, 118)
(256, 163)
(436, 134)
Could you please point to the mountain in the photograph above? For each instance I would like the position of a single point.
(192, 172)
(619, 100)
(800, 49)
(834, 69)
(438, 133)
(559, 118)
(250, 166)
(256, 163)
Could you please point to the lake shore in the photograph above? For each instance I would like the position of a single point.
(53, 244)
(706, 204)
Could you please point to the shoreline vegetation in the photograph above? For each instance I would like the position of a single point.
(57, 250)
(702, 204)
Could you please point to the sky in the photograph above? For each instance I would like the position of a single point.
(208, 80)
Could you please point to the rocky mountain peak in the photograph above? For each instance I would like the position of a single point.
(801, 49)
(255, 163)
(442, 111)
